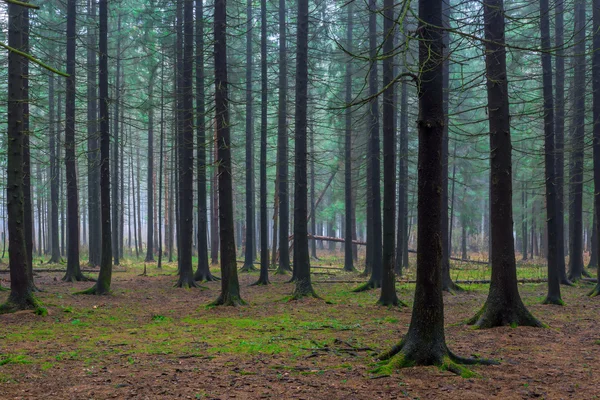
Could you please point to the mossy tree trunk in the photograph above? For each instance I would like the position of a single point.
(425, 343)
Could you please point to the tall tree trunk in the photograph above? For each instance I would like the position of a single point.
(150, 186)
(94, 224)
(102, 286)
(73, 269)
(282, 148)
(186, 154)
(263, 279)
(230, 287)
(348, 256)
(594, 242)
(388, 286)
(374, 248)
(503, 305)
(214, 208)
(596, 126)
(559, 131)
(425, 342)
(161, 158)
(577, 145)
(115, 155)
(135, 231)
(54, 235)
(524, 220)
(250, 231)
(301, 256)
(447, 284)
(203, 272)
(553, 296)
(21, 284)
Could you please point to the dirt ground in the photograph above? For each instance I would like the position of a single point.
(152, 341)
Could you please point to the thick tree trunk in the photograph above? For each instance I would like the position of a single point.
(54, 235)
(21, 284)
(504, 305)
(425, 343)
(301, 256)
(186, 155)
(230, 287)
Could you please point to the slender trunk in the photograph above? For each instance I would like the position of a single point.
(348, 256)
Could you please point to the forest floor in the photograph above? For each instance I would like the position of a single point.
(149, 340)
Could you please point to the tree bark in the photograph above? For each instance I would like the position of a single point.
(230, 287)
(282, 148)
(577, 145)
(503, 305)
(553, 296)
(301, 255)
(348, 256)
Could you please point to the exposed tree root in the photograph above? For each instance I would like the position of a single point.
(248, 268)
(595, 292)
(350, 268)
(404, 356)
(228, 300)
(565, 281)
(304, 289)
(28, 302)
(371, 284)
(451, 287)
(96, 290)
(261, 282)
(554, 300)
(491, 317)
(187, 283)
(585, 274)
(76, 277)
(205, 277)
(396, 302)
(282, 271)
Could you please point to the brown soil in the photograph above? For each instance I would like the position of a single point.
(329, 354)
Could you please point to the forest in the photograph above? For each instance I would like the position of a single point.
(306, 199)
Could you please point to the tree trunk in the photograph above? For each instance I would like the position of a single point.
(54, 235)
(230, 287)
(348, 256)
(577, 145)
(203, 271)
(388, 286)
(150, 186)
(21, 284)
(559, 132)
(115, 166)
(553, 296)
(503, 305)
(73, 269)
(102, 286)
(282, 148)
(249, 253)
(425, 343)
(301, 256)
(596, 127)
(263, 279)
